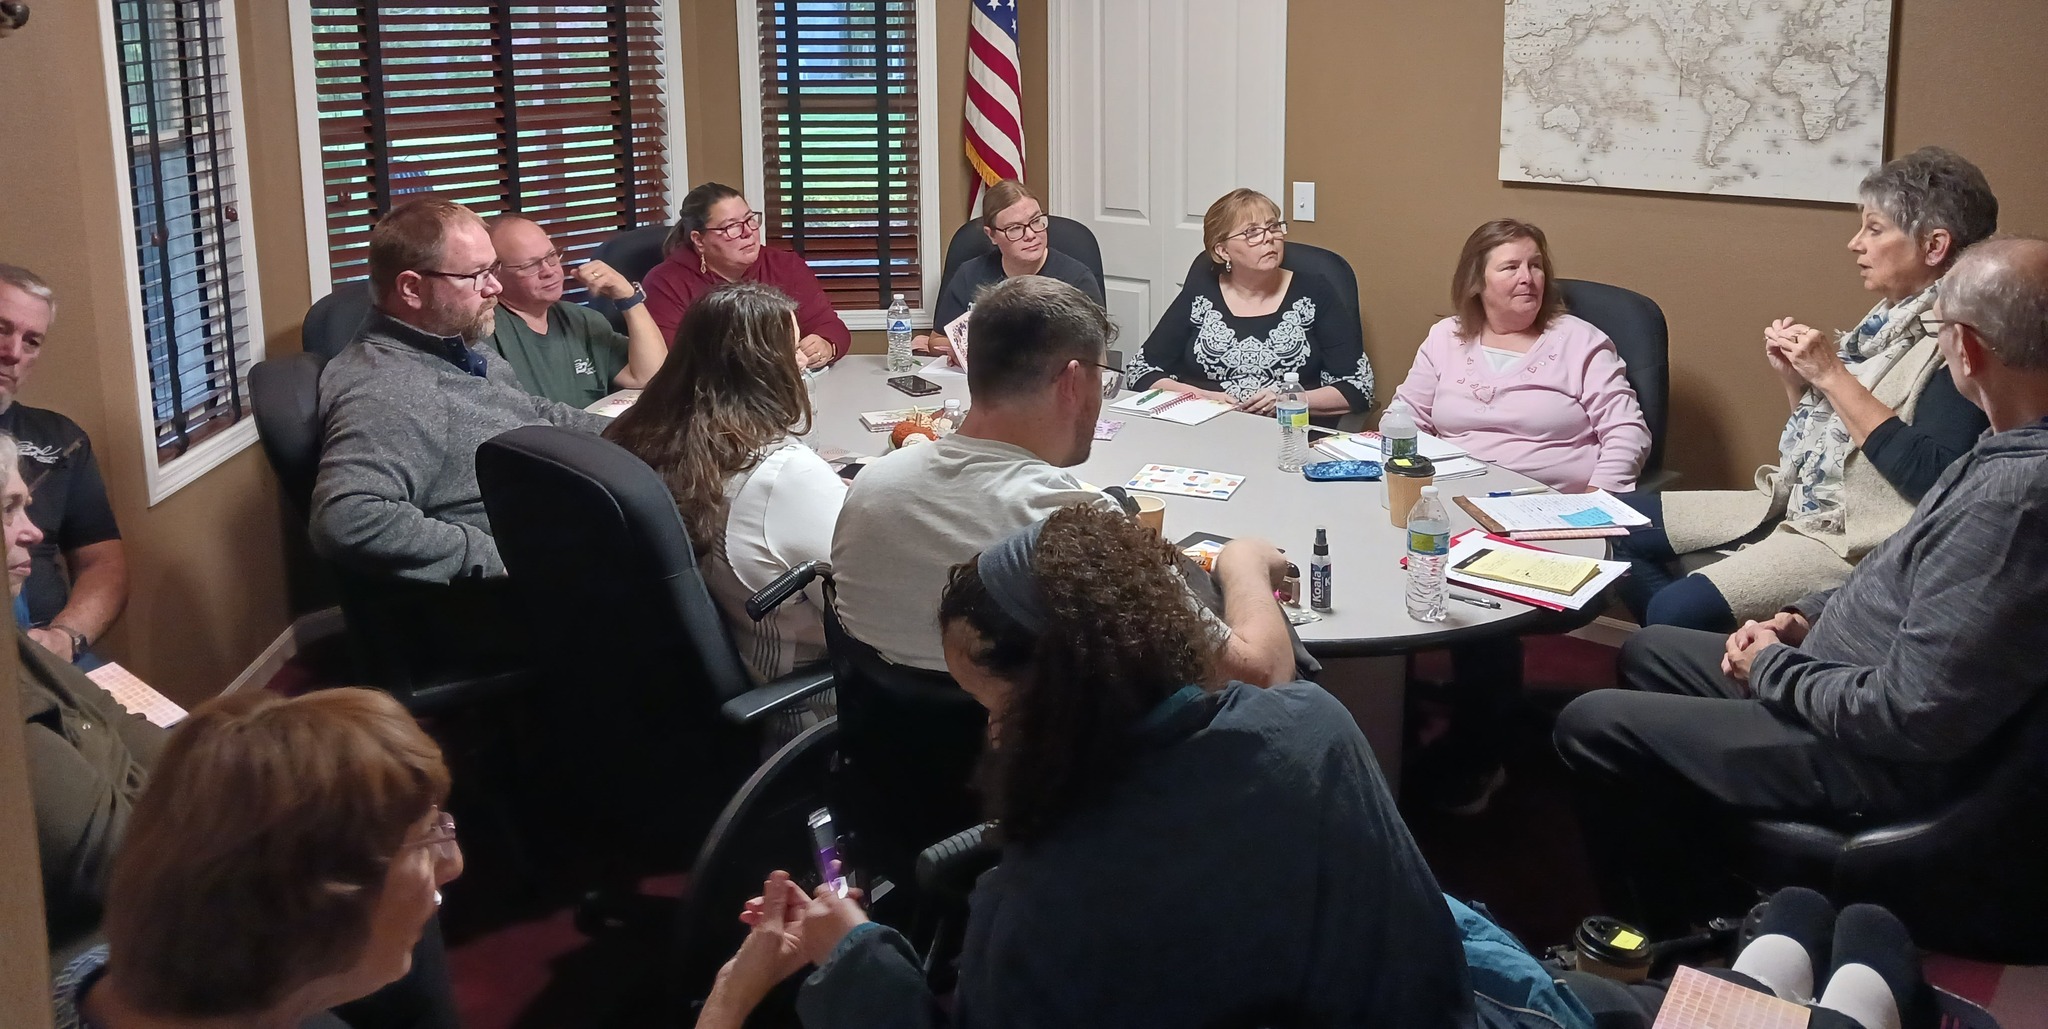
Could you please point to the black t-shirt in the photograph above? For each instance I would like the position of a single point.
(69, 500)
(987, 269)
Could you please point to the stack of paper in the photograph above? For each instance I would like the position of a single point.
(1472, 546)
(1168, 406)
(1554, 515)
(616, 404)
(883, 421)
(1701, 1001)
(1533, 569)
(136, 696)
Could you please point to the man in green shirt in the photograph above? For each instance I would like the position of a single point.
(566, 352)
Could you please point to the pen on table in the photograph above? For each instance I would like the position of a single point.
(1149, 396)
(1476, 601)
(1525, 491)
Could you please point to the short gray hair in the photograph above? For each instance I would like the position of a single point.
(30, 283)
(2000, 288)
(1934, 188)
(10, 449)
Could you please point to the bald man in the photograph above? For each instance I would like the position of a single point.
(1867, 703)
(566, 352)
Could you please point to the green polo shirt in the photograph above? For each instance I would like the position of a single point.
(574, 363)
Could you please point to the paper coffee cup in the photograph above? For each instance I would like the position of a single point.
(1152, 513)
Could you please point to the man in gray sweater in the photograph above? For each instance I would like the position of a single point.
(1861, 704)
(405, 406)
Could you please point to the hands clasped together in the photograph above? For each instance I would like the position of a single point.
(1744, 644)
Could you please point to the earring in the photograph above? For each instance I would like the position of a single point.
(702, 268)
(1226, 266)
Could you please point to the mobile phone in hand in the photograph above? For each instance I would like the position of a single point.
(825, 844)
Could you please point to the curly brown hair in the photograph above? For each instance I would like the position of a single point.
(730, 387)
(1122, 634)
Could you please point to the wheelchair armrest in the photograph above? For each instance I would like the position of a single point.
(1891, 835)
(785, 692)
(951, 866)
(771, 596)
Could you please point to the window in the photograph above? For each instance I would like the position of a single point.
(173, 62)
(558, 111)
(845, 174)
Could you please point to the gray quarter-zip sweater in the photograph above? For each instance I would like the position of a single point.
(1935, 641)
(400, 423)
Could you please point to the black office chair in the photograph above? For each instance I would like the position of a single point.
(1065, 235)
(632, 253)
(1636, 325)
(1305, 257)
(334, 320)
(1969, 878)
(433, 646)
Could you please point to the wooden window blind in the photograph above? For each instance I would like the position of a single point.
(839, 141)
(182, 165)
(556, 111)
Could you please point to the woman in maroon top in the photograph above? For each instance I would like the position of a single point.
(716, 240)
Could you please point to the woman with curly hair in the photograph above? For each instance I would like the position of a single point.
(1177, 850)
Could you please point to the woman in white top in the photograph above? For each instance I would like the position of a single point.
(720, 422)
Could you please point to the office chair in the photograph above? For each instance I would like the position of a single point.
(1065, 235)
(1969, 878)
(334, 320)
(1304, 257)
(632, 253)
(431, 645)
(1636, 325)
(609, 587)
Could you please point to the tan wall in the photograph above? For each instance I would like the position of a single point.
(207, 583)
(711, 101)
(1393, 110)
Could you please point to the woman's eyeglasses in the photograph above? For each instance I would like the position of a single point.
(1257, 234)
(475, 279)
(440, 837)
(737, 229)
(1013, 233)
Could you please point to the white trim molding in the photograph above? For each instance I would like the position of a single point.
(931, 256)
(164, 478)
(312, 172)
(307, 630)
(672, 98)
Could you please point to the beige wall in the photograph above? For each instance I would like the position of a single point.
(711, 102)
(1393, 110)
(207, 583)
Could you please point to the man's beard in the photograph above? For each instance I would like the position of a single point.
(479, 328)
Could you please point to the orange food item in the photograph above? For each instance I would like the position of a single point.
(910, 427)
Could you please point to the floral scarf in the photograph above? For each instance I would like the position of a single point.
(1815, 445)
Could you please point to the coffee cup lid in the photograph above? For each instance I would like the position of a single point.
(1414, 466)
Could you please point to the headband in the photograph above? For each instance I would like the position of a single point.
(1007, 575)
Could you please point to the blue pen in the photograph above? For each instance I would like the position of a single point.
(1523, 492)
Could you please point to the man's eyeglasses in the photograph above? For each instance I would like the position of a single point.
(551, 259)
(475, 279)
(1257, 234)
(737, 229)
(1013, 233)
(1112, 379)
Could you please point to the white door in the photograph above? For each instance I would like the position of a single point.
(1158, 108)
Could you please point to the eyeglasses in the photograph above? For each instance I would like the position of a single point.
(551, 259)
(476, 279)
(1013, 233)
(440, 837)
(1257, 234)
(1112, 379)
(737, 229)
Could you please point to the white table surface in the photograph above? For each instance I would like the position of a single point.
(1369, 615)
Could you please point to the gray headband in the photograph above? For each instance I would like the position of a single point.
(1007, 575)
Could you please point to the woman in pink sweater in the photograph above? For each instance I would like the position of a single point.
(1515, 381)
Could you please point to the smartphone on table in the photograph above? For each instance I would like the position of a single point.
(915, 385)
(825, 844)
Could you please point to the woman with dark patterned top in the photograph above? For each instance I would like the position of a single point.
(1240, 325)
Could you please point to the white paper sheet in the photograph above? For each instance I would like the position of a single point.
(1473, 542)
(1553, 510)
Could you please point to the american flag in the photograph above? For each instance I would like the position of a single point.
(995, 116)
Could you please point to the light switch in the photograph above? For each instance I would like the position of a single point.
(1304, 201)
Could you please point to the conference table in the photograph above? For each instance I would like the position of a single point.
(1364, 637)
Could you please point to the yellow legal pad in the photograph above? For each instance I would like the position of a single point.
(1551, 573)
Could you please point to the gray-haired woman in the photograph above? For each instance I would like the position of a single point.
(1875, 419)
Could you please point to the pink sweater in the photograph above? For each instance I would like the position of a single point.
(1564, 415)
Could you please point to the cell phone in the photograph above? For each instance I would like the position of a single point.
(825, 844)
(915, 385)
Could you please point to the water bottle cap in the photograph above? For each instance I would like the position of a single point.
(899, 298)
(1429, 491)
(1293, 378)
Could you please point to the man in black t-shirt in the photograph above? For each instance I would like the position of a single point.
(65, 613)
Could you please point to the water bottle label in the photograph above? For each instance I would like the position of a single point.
(1292, 419)
(1428, 543)
(899, 325)
(1400, 447)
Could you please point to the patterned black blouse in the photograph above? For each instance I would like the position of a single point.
(1201, 343)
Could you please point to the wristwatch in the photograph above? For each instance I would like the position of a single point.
(639, 297)
(78, 640)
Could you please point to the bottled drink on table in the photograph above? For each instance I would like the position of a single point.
(1397, 439)
(900, 357)
(1292, 413)
(1429, 547)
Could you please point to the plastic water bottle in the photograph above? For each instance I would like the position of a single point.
(1292, 413)
(1429, 548)
(1397, 439)
(900, 357)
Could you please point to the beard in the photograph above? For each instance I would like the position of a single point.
(480, 327)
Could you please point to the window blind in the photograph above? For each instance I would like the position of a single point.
(181, 167)
(839, 140)
(556, 111)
